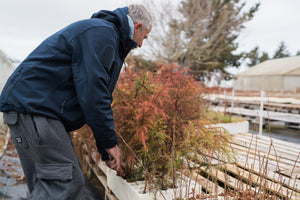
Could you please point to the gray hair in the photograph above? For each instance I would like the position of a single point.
(139, 14)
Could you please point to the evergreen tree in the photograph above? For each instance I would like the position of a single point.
(253, 57)
(264, 57)
(282, 51)
(205, 36)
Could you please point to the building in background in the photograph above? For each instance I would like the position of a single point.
(281, 74)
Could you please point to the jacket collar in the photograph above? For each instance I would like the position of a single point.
(119, 18)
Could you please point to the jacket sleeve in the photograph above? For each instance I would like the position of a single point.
(93, 56)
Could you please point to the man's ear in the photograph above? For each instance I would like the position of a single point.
(137, 27)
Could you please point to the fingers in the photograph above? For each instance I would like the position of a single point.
(115, 161)
(123, 169)
(111, 163)
(115, 165)
(123, 165)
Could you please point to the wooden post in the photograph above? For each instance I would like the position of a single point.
(262, 94)
(232, 99)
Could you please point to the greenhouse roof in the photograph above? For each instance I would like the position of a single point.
(280, 66)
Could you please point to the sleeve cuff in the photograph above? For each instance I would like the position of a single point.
(104, 154)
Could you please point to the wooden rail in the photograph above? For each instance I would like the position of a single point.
(277, 105)
(288, 118)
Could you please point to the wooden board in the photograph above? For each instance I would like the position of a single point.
(273, 176)
(282, 163)
(284, 144)
(277, 151)
(252, 178)
(227, 180)
(206, 184)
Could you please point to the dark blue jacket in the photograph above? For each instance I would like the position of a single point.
(72, 74)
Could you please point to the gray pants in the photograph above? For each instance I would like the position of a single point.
(46, 151)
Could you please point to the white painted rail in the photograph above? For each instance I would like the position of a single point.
(268, 115)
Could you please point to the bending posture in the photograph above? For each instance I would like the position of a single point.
(66, 82)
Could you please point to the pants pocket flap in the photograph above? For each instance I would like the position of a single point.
(54, 171)
(10, 118)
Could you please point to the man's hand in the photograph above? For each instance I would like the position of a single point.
(115, 160)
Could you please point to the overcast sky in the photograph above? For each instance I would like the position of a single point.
(275, 21)
(26, 23)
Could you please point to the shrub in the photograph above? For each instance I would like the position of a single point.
(220, 117)
(160, 117)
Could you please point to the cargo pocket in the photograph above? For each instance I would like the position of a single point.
(11, 119)
(62, 172)
(54, 181)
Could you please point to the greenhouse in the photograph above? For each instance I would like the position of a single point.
(281, 74)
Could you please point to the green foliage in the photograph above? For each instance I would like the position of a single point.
(141, 64)
(282, 51)
(264, 57)
(161, 118)
(219, 117)
(255, 58)
(206, 35)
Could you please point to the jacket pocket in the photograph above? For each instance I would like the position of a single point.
(11, 119)
(62, 172)
(66, 102)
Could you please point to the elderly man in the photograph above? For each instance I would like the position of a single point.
(65, 82)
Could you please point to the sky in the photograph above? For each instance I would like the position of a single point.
(275, 21)
(24, 24)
